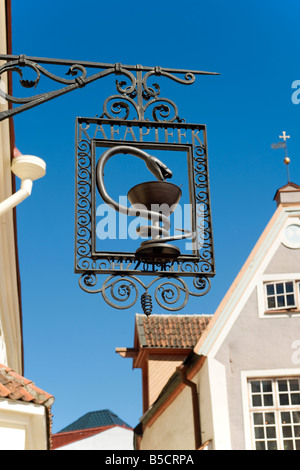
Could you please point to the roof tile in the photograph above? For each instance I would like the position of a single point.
(4, 392)
(16, 387)
(170, 331)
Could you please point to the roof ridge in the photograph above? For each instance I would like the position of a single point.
(95, 419)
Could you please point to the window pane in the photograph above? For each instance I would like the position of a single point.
(285, 417)
(288, 445)
(297, 431)
(296, 417)
(290, 300)
(289, 287)
(284, 399)
(256, 400)
(280, 301)
(269, 418)
(282, 385)
(294, 384)
(260, 445)
(258, 418)
(271, 432)
(255, 386)
(271, 302)
(267, 386)
(270, 289)
(268, 400)
(259, 432)
(272, 445)
(297, 444)
(287, 431)
(295, 397)
(279, 288)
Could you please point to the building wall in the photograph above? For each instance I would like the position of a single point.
(116, 438)
(22, 426)
(286, 260)
(10, 325)
(173, 429)
(245, 341)
(160, 369)
(259, 342)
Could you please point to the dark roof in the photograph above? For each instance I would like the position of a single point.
(170, 331)
(95, 419)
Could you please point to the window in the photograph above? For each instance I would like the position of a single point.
(280, 295)
(275, 413)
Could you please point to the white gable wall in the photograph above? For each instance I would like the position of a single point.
(22, 426)
(115, 438)
(246, 341)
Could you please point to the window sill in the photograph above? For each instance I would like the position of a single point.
(286, 311)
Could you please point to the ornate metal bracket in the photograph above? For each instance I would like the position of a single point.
(146, 96)
(122, 292)
(147, 121)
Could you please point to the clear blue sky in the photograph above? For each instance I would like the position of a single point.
(70, 336)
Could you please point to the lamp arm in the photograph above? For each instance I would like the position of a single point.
(17, 197)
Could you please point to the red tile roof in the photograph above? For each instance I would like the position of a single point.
(64, 438)
(170, 331)
(15, 387)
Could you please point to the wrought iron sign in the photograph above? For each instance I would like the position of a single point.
(160, 148)
(98, 232)
(135, 239)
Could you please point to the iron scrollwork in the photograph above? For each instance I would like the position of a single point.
(148, 97)
(122, 292)
(123, 287)
(137, 104)
(79, 76)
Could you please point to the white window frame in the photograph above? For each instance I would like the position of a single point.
(263, 312)
(284, 294)
(246, 376)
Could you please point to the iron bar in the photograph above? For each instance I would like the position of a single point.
(124, 100)
(100, 65)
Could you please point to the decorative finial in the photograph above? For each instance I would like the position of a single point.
(283, 145)
(284, 136)
(287, 162)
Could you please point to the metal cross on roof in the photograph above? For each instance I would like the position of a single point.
(284, 136)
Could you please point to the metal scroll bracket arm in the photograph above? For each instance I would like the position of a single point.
(79, 78)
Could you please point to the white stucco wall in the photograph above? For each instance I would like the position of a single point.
(22, 426)
(174, 428)
(116, 438)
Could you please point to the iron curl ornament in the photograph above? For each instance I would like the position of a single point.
(135, 116)
(122, 292)
(79, 74)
